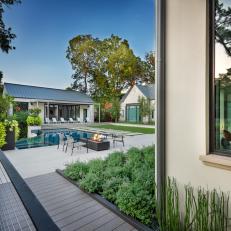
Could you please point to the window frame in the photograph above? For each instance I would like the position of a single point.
(211, 72)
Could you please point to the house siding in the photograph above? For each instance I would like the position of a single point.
(132, 99)
(187, 96)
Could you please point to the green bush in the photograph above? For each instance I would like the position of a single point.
(76, 171)
(34, 121)
(115, 159)
(12, 124)
(118, 171)
(96, 166)
(21, 117)
(2, 135)
(35, 112)
(111, 186)
(126, 179)
(92, 182)
(136, 201)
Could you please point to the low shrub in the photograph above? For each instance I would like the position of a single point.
(76, 171)
(115, 159)
(136, 201)
(21, 117)
(111, 186)
(92, 182)
(12, 125)
(96, 166)
(126, 179)
(34, 121)
(118, 171)
(2, 134)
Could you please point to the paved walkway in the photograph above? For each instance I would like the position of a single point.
(71, 209)
(37, 161)
(134, 125)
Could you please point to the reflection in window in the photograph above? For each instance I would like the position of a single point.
(223, 75)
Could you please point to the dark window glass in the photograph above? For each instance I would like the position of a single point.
(222, 76)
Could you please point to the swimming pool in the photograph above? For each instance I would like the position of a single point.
(48, 137)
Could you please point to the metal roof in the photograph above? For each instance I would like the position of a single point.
(147, 90)
(43, 93)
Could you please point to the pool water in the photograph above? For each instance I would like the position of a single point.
(48, 137)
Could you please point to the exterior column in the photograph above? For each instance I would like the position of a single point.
(10, 110)
(48, 110)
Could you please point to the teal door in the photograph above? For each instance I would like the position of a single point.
(133, 113)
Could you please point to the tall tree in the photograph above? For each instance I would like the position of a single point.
(102, 67)
(222, 26)
(6, 35)
(148, 71)
(81, 53)
(1, 83)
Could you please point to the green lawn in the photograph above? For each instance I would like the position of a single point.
(126, 128)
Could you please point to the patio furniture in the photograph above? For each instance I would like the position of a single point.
(54, 120)
(62, 140)
(71, 120)
(86, 120)
(117, 138)
(78, 120)
(47, 120)
(96, 145)
(62, 120)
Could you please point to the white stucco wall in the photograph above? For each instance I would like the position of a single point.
(90, 112)
(186, 99)
(132, 98)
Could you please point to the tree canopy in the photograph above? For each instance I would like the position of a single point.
(6, 35)
(103, 68)
(222, 26)
(148, 71)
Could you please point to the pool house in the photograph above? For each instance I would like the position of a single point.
(54, 103)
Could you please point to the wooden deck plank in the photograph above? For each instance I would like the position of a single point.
(111, 225)
(72, 209)
(124, 226)
(86, 220)
(78, 215)
(97, 223)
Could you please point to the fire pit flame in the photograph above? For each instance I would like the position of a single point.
(97, 137)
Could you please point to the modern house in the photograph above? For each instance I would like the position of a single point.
(194, 93)
(54, 103)
(130, 109)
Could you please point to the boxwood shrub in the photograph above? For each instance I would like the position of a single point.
(125, 179)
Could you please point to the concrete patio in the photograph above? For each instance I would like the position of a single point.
(37, 161)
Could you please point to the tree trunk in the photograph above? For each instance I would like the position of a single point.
(85, 83)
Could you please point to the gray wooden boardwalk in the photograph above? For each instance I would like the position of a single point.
(72, 209)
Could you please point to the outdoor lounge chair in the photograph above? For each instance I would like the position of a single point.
(71, 120)
(78, 120)
(47, 120)
(62, 120)
(54, 120)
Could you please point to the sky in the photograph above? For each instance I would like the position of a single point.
(44, 27)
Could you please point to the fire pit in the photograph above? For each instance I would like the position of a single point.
(97, 143)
